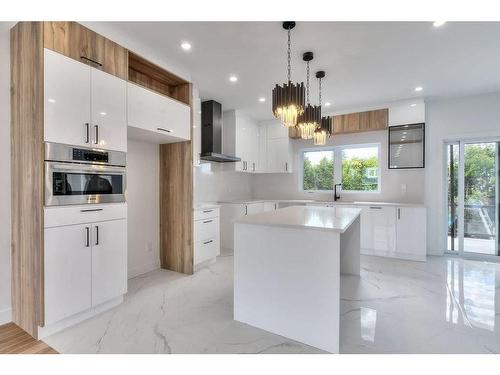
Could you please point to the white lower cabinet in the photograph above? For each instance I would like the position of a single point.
(85, 262)
(270, 206)
(206, 235)
(109, 260)
(68, 271)
(411, 232)
(232, 211)
(378, 231)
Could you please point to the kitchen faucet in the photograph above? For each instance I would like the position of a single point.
(336, 192)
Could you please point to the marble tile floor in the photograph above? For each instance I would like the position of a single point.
(445, 305)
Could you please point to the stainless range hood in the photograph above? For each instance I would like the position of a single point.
(211, 134)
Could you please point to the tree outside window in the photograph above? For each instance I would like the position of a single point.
(360, 169)
(318, 170)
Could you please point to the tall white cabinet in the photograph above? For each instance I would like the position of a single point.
(83, 106)
(241, 138)
(275, 148)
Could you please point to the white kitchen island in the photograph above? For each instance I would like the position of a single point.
(287, 266)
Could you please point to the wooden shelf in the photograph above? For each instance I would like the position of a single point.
(151, 76)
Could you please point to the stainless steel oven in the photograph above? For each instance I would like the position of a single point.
(79, 175)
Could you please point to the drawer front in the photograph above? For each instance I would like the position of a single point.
(205, 250)
(206, 229)
(90, 213)
(207, 213)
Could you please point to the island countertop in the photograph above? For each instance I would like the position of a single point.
(336, 219)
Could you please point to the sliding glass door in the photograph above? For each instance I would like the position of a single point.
(473, 197)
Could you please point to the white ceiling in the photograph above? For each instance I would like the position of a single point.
(365, 62)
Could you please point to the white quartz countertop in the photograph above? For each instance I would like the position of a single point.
(306, 217)
(311, 201)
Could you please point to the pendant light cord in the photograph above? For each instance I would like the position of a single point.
(288, 57)
(307, 83)
(320, 92)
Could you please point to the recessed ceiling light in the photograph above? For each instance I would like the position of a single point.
(186, 46)
(262, 100)
(328, 104)
(233, 78)
(419, 88)
(438, 23)
(413, 105)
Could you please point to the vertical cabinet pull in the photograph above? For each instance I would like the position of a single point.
(97, 235)
(286, 166)
(96, 134)
(87, 236)
(246, 209)
(399, 213)
(253, 166)
(87, 128)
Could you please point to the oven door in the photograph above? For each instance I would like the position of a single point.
(69, 183)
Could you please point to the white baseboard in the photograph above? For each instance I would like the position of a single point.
(143, 268)
(5, 316)
(75, 319)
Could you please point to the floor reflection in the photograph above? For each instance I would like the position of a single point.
(470, 296)
(368, 322)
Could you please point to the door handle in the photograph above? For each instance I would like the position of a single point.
(91, 210)
(207, 211)
(253, 166)
(164, 130)
(375, 208)
(96, 134)
(207, 221)
(87, 235)
(97, 235)
(286, 166)
(246, 209)
(399, 214)
(207, 242)
(87, 126)
(90, 60)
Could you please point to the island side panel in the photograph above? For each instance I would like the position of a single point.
(350, 249)
(287, 281)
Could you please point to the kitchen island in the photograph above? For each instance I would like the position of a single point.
(287, 266)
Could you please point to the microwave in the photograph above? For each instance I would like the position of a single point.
(77, 175)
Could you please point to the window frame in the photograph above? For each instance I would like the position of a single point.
(337, 167)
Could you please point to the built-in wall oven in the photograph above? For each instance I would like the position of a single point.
(79, 175)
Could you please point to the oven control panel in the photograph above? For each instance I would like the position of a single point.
(80, 154)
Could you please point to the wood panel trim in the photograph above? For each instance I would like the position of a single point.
(27, 175)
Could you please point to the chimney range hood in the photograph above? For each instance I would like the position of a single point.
(211, 133)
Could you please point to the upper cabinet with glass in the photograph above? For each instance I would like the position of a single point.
(407, 146)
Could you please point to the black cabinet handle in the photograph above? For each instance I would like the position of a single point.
(90, 60)
(96, 134)
(164, 130)
(207, 211)
(246, 209)
(91, 210)
(375, 207)
(399, 214)
(286, 167)
(207, 242)
(87, 139)
(87, 235)
(97, 235)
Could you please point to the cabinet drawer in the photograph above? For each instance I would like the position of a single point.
(207, 213)
(69, 215)
(205, 250)
(206, 229)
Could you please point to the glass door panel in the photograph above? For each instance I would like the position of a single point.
(452, 156)
(480, 198)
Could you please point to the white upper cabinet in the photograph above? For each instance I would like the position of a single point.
(83, 106)
(156, 118)
(109, 111)
(279, 148)
(241, 138)
(67, 100)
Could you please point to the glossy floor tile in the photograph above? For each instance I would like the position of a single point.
(445, 305)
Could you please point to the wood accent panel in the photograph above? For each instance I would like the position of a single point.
(27, 175)
(176, 207)
(338, 124)
(153, 77)
(351, 122)
(13, 340)
(379, 119)
(76, 41)
(364, 120)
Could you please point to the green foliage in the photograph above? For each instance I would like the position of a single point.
(318, 177)
(354, 174)
(479, 173)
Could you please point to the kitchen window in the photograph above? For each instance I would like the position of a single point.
(356, 167)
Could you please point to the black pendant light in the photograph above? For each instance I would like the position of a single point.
(323, 130)
(311, 118)
(288, 99)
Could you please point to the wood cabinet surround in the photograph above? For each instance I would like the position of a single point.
(28, 40)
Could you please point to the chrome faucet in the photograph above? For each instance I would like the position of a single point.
(336, 192)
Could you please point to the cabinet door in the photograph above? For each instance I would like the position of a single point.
(411, 232)
(228, 213)
(67, 100)
(242, 146)
(109, 111)
(278, 155)
(67, 257)
(269, 206)
(262, 156)
(254, 208)
(378, 228)
(351, 122)
(109, 260)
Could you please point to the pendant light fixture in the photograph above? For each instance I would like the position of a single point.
(288, 99)
(322, 131)
(311, 117)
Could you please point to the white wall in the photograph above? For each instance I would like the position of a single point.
(396, 185)
(465, 117)
(5, 311)
(143, 200)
